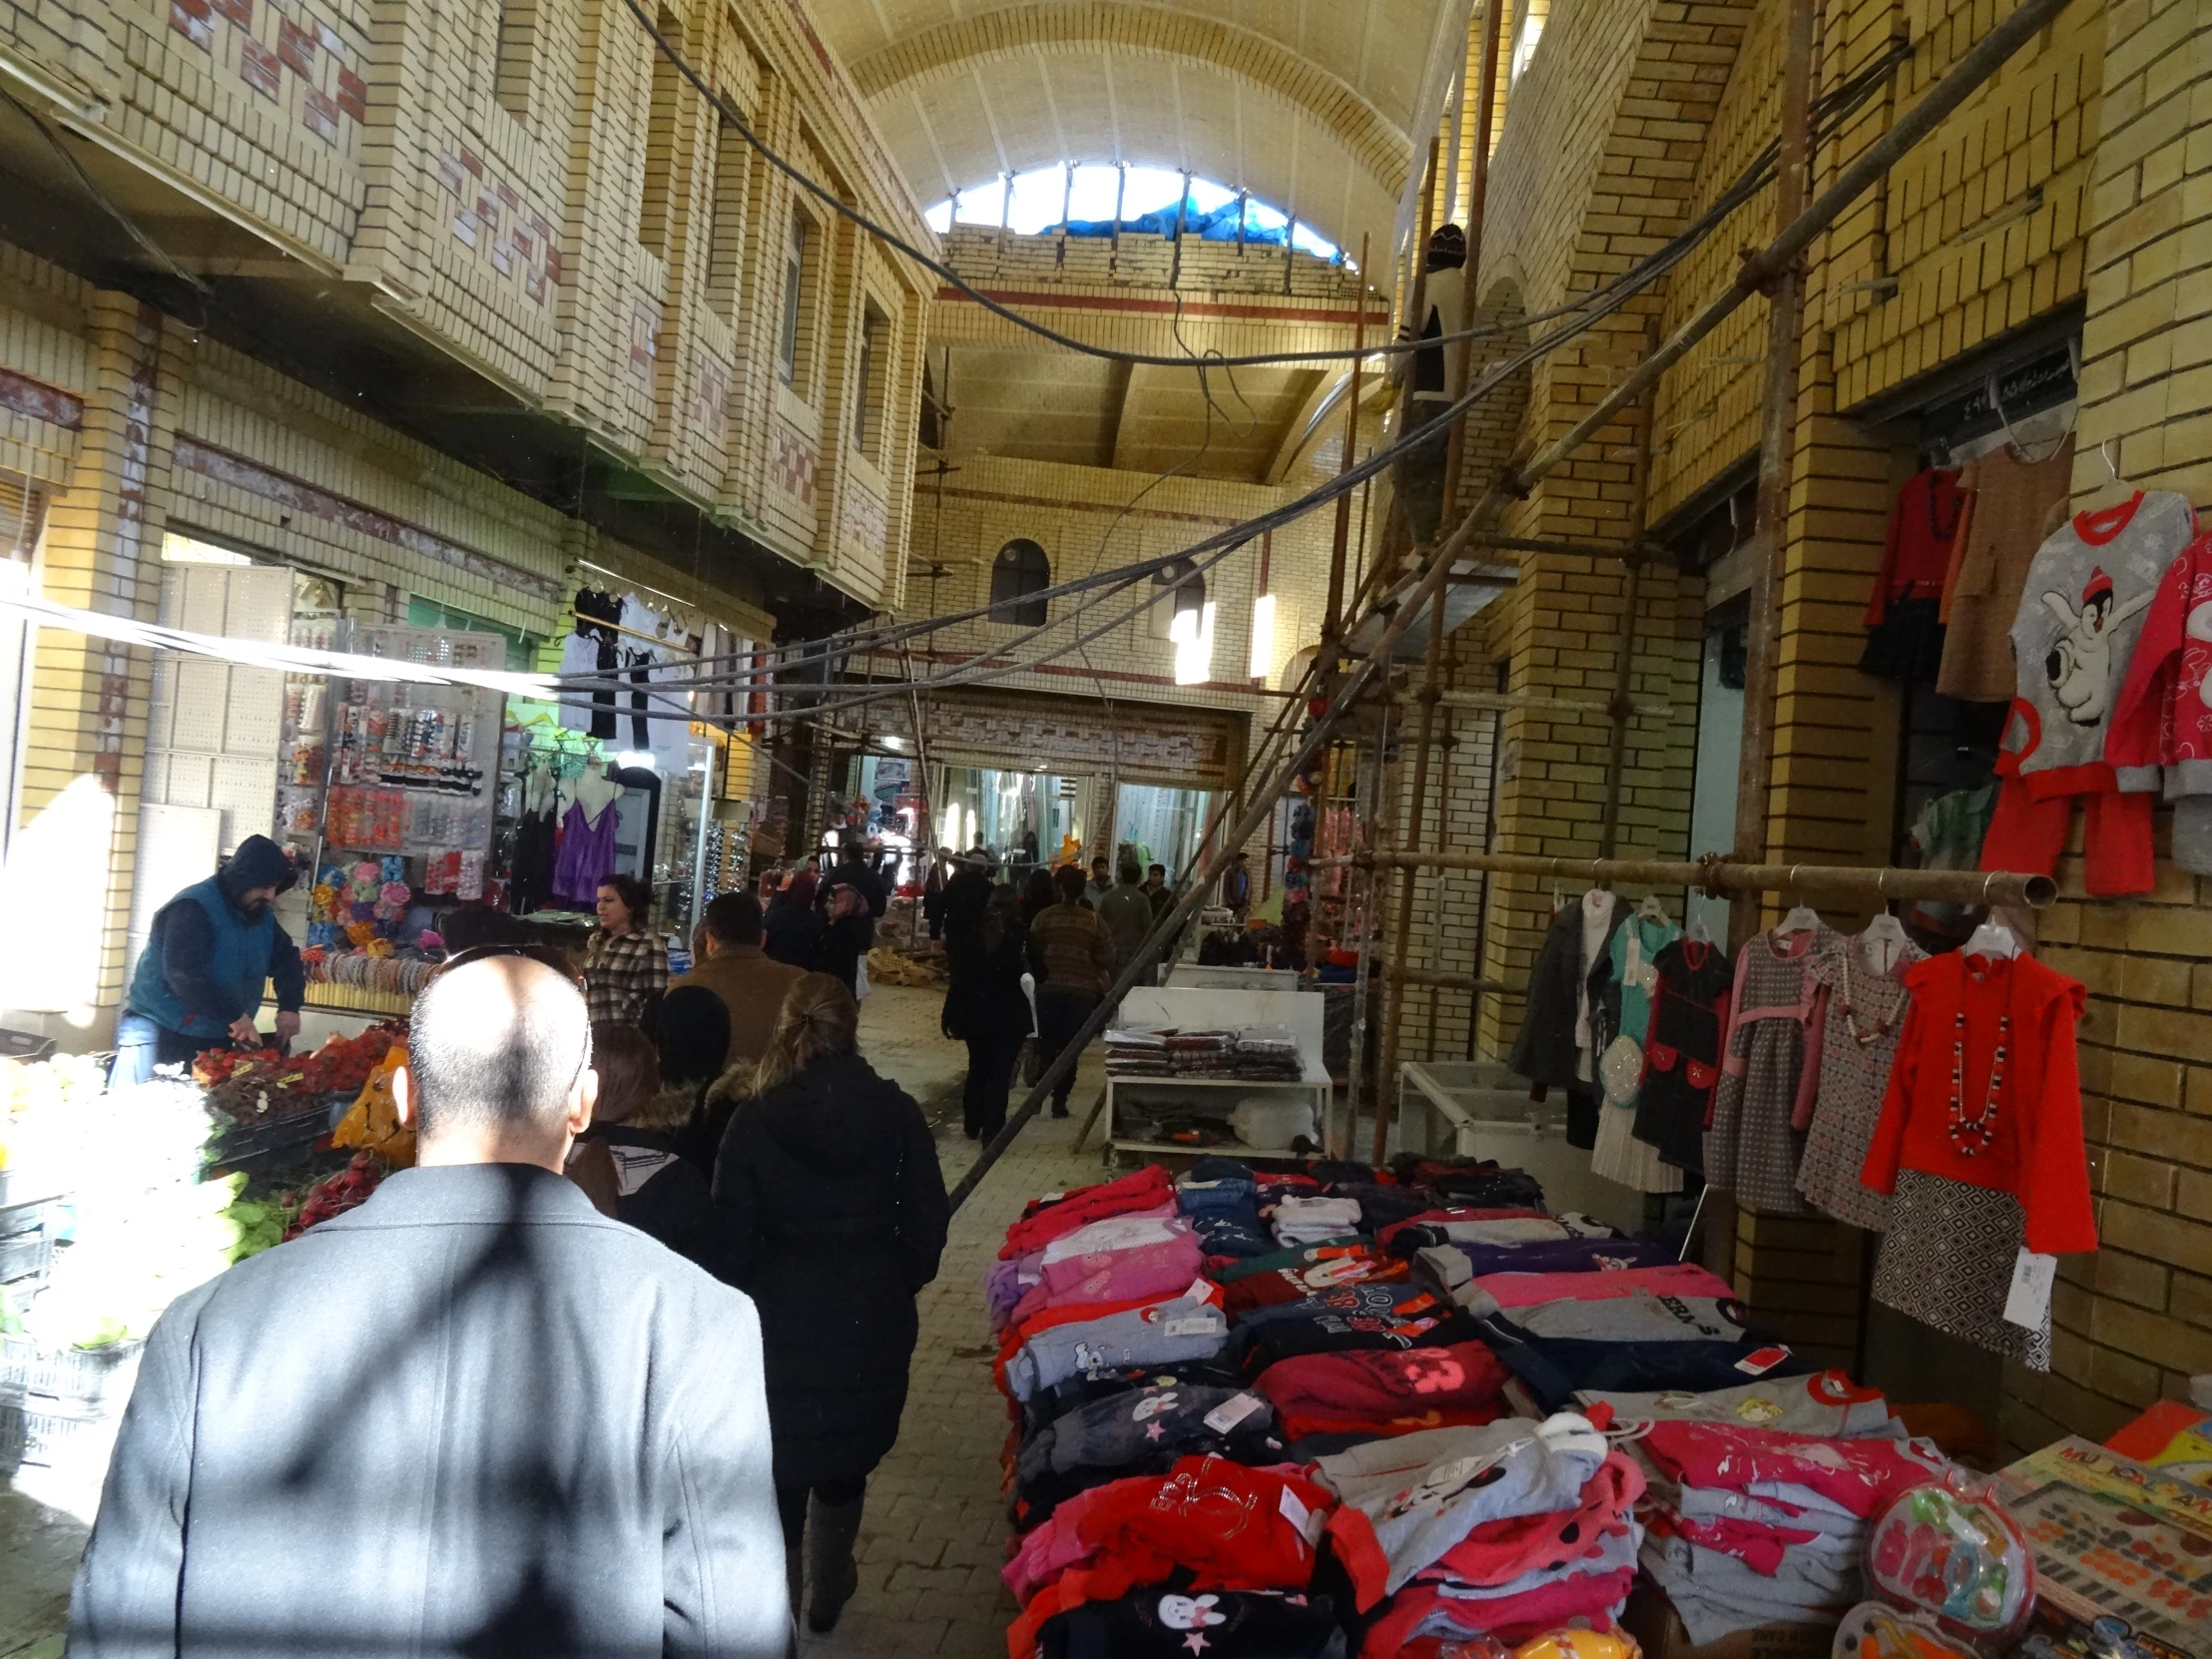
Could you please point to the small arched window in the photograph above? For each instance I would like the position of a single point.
(1021, 571)
(1177, 588)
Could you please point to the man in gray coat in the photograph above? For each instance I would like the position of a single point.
(470, 1417)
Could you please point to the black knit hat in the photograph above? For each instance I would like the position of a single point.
(258, 862)
(1447, 248)
(693, 1035)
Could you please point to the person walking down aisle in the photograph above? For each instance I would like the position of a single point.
(1236, 887)
(1157, 891)
(626, 964)
(554, 1432)
(1101, 882)
(791, 931)
(1073, 956)
(1127, 913)
(834, 1215)
(198, 979)
(750, 983)
(693, 1035)
(986, 1009)
(1039, 894)
(629, 1161)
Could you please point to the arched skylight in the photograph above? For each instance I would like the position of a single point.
(1082, 197)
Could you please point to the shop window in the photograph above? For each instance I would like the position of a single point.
(725, 221)
(1020, 572)
(867, 417)
(793, 357)
(514, 53)
(656, 206)
(1180, 591)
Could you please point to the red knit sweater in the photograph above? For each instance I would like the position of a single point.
(2036, 1153)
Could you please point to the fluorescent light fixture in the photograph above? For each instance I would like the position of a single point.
(1262, 661)
(1193, 657)
(1183, 627)
(892, 742)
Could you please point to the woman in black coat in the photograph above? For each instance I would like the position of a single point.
(834, 1215)
(792, 928)
(630, 1161)
(986, 1009)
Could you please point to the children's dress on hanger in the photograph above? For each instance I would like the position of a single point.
(1682, 1050)
(1767, 1074)
(1980, 1141)
(1858, 1042)
(587, 853)
(1619, 1155)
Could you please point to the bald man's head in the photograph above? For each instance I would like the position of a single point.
(497, 1047)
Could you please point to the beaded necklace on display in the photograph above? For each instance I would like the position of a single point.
(1973, 1135)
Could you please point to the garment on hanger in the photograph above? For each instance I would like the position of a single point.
(587, 851)
(1985, 1155)
(1682, 1050)
(530, 881)
(1601, 916)
(1618, 1154)
(1551, 1046)
(594, 714)
(1865, 1019)
(2161, 726)
(2014, 502)
(1904, 639)
(579, 656)
(1947, 836)
(1769, 1071)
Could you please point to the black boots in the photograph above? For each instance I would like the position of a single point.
(831, 1531)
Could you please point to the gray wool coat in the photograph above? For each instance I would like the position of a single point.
(473, 1417)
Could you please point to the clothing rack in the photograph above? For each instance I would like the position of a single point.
(616, 627)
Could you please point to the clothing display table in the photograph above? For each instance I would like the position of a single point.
(1481, 1109)
(1132, 1103)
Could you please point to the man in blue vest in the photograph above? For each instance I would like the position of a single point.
(199, 980)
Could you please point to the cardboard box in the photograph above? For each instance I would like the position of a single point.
(1650, 1618)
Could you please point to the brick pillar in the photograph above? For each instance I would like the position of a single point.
(2134, 1320)
(87, 726)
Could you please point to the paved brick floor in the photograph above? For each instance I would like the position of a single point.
(934, 1531)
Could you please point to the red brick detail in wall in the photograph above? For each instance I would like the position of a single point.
(41, 401)
(297, 496)
(318, 112)
(863, 522)
(492, 219)
(352, 95)
(259, 68)
(240, 12)
(792, 469)
(296, 47)
(709, 404)
(194, 19)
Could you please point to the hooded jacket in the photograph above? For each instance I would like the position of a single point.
(833, 1214)
(205, 961)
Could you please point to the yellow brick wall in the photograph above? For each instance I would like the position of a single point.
(157, 427)
(544, 219)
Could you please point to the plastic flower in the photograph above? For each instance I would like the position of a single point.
(360, 932)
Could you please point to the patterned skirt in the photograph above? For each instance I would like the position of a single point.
(1947, 1261)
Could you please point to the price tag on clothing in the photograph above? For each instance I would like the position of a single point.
(1304, 1519)
(2027, 1303)
(1200, 1327)
(1230, 1413)
(1763, 1361)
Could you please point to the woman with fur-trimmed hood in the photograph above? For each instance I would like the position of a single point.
(630, 1162)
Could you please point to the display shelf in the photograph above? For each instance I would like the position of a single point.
(1215, 1008)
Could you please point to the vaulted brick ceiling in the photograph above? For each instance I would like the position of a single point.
(1309, 104)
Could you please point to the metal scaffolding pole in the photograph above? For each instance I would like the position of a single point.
(1980, 61)
(1332, 619)
(1716, 875)
(1393, 1018)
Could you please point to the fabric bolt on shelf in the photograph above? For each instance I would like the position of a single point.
(1229, 1624)
(1385, 1392)
(1406, 1501)
(1828, 1403)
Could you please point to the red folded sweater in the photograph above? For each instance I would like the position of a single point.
(1040, 1223)
(1386, 1391)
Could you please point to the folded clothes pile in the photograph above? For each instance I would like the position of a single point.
(1262, 1054)
(1207, 1526)
(1174, 1624)
(1502, 1529)
(1753, 1526)
(1059, 1342)
(1637, 1342)
(1827, 1403)
(1220, 1198)
(1375, 1314)
(1285, 1275)
(1303, 1221)
(1142, 1430)
(1384, 1391)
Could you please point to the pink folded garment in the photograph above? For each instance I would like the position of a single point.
(1761, 1547)
(1433, 1611)
(1499, 1551)
(1048, 1551)
(1123, 1260)
(1521, 1290)
(1858, 1476)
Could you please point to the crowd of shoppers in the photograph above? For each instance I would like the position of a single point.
(562, 1435)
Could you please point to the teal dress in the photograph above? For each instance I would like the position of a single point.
(1619, 1154)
